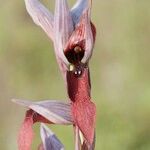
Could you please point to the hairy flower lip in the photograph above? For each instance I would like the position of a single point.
(78, 85)
(83, 110)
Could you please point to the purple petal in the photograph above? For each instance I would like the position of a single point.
(49, 139)
(41, 16)
(54, 111)
(77, 9)
(63, 27)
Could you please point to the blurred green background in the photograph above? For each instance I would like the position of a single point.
(120, 73)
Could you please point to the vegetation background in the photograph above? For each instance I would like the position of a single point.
(120, 73)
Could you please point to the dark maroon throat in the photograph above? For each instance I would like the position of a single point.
(75, 54)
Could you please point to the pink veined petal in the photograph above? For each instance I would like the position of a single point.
(84, 21)
(63, 24)
(41, 16)
(55, 111)
(77, 10)
(88, 35)
(63, 27)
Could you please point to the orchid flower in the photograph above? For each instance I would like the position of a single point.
(73, 35)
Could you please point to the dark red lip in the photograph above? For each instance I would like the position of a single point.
(83, 110)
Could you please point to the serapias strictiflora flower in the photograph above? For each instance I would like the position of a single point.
(73, 36)
(67, 28)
